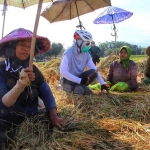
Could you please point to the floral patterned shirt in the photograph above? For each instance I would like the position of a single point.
(117, 73)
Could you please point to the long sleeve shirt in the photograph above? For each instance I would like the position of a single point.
(117, 73)
(66, 74)
(45, 94)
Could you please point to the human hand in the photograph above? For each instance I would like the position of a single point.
(56, 120)
(108, 84)
(30, 73)
(104, 87)
(23, 78)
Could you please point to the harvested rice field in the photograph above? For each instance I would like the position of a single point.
(101, 121)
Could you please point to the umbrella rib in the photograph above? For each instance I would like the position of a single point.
(102, 13)
(88, 4)
(70, 10)
(59, 14)
(23, 4)
(91, 7)
(77, 12)
(107, 2)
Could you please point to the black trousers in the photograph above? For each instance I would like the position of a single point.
(95, 59)
(76, 88)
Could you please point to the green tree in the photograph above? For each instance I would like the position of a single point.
(108, 47)
(55, 50)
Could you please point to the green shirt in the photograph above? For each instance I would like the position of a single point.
(94, 51)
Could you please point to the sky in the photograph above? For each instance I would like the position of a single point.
(135, 30)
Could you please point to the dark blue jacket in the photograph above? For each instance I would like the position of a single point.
(27, 102)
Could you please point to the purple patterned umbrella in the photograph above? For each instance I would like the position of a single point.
(113, 15)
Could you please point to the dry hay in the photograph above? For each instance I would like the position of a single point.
(106, 64)
(101, 121)
(128, 131)
(50, 70)
(141, 66)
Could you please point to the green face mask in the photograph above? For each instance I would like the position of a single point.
(85, 49)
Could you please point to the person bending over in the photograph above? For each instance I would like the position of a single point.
(74, 61)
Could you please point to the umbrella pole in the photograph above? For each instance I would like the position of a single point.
(34, 34)
(115, 34)
(80, 24)
(3, 24)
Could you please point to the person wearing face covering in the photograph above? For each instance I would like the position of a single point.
(94, 51)
(21, 86)
(74, 61)
(122, 73)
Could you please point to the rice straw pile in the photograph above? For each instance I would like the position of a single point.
(114, 121)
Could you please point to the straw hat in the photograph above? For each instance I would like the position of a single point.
(148, 51)
(42, 43)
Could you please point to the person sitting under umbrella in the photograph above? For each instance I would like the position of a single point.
(147, 68)
(74, 60)
(21, 86)
(122, 73)
(95, 51)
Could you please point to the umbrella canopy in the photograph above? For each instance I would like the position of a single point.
(18, 3)
(112, 15)
(42, 43)
(22, 3)
(61, 10)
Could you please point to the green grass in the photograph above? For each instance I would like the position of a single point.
(138, 57)
(133, 57)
